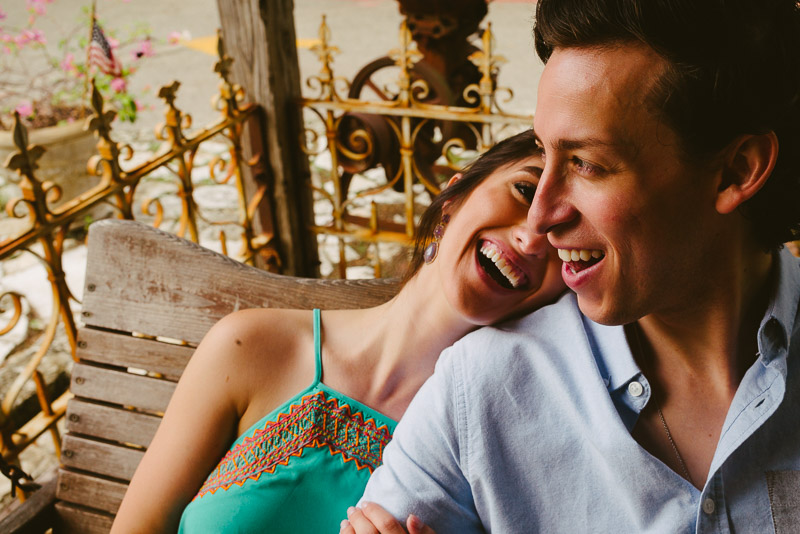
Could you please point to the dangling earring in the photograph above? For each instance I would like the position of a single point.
(432, 250)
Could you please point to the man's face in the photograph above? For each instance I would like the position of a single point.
(632, 220)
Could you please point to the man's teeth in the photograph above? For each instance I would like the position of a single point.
(491, 252)
(583, 254)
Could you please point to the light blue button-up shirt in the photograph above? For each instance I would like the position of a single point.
(527, 428)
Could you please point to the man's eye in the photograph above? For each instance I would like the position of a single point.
(585, 167)
(526, 189)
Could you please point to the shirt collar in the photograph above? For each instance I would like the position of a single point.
(776, 327)
(612, 353)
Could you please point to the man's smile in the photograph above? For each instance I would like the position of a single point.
(579, 259)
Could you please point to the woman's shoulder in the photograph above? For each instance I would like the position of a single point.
(258, 334)
(261, 321)
(265, 356)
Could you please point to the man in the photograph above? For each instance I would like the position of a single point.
(664, 394)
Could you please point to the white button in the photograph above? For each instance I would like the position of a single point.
(635, 389)
(709, 506)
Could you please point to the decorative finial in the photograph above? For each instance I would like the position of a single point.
(25, 161)
(224, 62)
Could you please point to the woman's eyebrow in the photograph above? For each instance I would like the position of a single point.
(533, 170)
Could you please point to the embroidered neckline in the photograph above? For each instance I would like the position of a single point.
(315, 422)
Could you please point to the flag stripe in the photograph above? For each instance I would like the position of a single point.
(100, 53)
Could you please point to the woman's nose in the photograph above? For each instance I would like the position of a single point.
(530, 242)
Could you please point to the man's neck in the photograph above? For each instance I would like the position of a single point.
(714, 335)
(698, 358)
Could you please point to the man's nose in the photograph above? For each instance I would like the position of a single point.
(551, 206)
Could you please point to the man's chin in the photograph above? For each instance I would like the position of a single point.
(605, 313)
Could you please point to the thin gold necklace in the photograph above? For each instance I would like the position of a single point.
(640, 348)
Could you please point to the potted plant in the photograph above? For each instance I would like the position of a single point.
(46, 81)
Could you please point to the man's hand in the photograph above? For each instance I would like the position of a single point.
(371, 518)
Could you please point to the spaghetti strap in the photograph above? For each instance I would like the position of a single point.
(317, 346)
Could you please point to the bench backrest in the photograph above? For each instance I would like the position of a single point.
(149, 298)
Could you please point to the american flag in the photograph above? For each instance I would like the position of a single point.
(100, 53)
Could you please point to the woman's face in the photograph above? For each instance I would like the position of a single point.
(492, 266)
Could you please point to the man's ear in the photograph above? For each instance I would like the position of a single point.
(456, 177)
(748, 164)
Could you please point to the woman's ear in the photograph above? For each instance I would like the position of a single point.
(747, 166)
(456, 177)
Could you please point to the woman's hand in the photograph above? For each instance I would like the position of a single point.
(371, 518)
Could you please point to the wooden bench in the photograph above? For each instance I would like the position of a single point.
(149, 298)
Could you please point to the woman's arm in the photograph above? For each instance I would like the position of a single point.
(202, 420)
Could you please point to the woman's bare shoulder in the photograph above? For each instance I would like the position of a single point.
(256, 335)
(266, 355)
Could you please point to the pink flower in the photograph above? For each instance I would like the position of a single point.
(145, 49)
(37, 6)
(25, 109)
(68, 63)
(118, 85)
(174, 38)
(2, 14)
(30, 36)
(113, 43)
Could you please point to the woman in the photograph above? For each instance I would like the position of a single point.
(297, 467)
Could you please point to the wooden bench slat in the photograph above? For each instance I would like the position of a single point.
(126, 351)
(78, 520)
(110, 423)
(97, 457)
(36, 514)
(161, 285)
(117, 387)
(93, 492)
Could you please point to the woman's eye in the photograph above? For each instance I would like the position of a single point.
(525, 189)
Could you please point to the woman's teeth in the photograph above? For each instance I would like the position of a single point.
(579, 254)
(491, 252)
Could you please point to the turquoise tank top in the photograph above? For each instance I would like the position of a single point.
(297, 469)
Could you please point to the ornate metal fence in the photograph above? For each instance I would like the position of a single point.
(49, 223)
(377, 161)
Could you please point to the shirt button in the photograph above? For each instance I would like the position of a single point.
(709, 506)
(635, 389)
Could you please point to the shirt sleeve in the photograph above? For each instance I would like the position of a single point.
(423, 471)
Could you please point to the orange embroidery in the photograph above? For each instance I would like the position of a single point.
(315, 422)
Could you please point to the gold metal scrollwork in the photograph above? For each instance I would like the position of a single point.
(16, 302)
(361, 134)
(44, 237)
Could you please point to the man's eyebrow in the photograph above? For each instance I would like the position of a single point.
(574, 144)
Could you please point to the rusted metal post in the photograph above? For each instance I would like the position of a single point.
(260, 36)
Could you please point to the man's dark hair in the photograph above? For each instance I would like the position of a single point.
(508, 151)
(733, 68)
